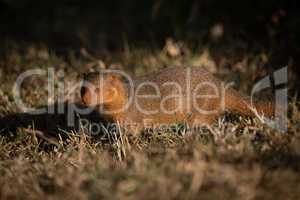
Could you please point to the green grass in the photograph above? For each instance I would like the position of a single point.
(239, 159)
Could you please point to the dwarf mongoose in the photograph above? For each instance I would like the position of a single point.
(173, 95)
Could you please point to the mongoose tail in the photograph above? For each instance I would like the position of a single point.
(241, 104)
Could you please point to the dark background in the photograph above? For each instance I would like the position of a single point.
(105, 26)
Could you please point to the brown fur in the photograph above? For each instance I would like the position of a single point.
(115, 94)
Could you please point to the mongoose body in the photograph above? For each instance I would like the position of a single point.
(189, 95)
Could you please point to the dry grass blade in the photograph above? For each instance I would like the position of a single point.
(42, 135)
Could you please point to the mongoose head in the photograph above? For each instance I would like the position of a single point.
(99, 88)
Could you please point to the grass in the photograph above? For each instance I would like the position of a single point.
(237, 158)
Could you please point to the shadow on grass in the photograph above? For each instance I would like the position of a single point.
(63, 119)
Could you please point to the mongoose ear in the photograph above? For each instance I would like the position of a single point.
(115, 77)
(111, 95)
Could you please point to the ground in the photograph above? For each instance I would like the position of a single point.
(237, 158)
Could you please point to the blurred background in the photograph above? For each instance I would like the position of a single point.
(269, 30)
